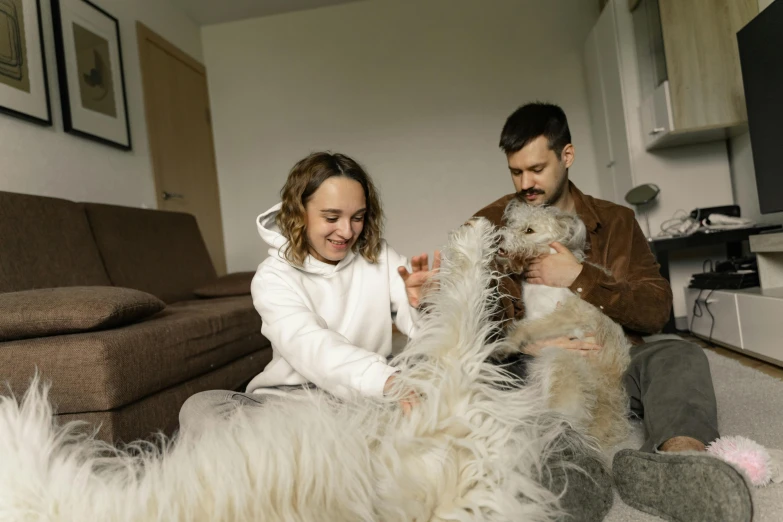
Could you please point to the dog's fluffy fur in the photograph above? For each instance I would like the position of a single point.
(587, 389)
(474, 448)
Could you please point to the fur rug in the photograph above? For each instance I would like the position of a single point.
(475, 448)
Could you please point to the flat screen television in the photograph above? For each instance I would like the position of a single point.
(761, 59)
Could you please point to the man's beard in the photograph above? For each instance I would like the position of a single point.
(548, 199)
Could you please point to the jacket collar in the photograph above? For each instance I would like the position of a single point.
(584, 208)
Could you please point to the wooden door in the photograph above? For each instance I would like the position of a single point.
(180, 137)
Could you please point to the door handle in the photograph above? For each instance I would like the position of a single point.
(171, 195)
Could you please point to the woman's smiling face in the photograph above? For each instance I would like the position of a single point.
(335, 218)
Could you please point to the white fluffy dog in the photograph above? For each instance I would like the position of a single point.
(586, 389)
(474, 448)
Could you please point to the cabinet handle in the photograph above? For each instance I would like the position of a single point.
(657, 130)
(610, 165)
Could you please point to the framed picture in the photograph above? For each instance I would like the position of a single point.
(92, 81)
(24, 86)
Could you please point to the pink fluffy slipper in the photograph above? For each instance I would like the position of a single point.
(759, 465)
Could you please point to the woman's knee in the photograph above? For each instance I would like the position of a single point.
(200, 405)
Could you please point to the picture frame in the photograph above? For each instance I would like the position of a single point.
(24, 82)
(91, 73)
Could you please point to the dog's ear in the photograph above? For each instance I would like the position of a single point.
(572, 230)
(578, 235)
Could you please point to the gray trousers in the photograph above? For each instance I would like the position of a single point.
(670, 387)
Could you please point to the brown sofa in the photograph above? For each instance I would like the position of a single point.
(100, 301)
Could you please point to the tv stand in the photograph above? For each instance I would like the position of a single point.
(748, 320)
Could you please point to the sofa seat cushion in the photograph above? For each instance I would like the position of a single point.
(111, 368)
(229, 285)
(58, 311)
(143, 419)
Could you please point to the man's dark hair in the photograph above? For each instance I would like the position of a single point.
(533, 120)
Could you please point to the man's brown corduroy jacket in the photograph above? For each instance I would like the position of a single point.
(635, 295)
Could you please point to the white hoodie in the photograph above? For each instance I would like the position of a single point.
(330, 325)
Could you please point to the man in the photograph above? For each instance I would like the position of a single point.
(668, 381)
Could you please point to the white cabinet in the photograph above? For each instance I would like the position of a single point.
(657, 116)
(712, 315)
(746, 320)
(760, 314)
(607, 111)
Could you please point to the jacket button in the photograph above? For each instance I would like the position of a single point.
(579, 290)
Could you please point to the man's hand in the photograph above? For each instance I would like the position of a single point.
(559, 270)
(583, 347)
(415, 281)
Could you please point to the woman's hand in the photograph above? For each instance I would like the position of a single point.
(408, 402)
(416, 280)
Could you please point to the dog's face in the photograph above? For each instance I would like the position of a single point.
(529, 231)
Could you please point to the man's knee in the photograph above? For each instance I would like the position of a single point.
(679, 350)
(670, 356)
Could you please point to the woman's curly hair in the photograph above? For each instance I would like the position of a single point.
(303, 180)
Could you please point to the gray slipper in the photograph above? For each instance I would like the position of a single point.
(584, 485)
(682, 487)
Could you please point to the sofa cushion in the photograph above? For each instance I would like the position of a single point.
(46, 242)
(155, 251)
(229, 285)
(57, 311)
(107, 369)
(160, 412)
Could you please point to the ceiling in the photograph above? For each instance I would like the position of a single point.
(207, 12)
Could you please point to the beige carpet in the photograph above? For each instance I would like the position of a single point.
(750, 404)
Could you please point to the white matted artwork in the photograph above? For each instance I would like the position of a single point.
(24, 86)
(92, 81)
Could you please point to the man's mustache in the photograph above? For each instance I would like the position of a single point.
(522, 193)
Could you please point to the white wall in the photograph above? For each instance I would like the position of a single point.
(743, 172)
(416, 90)
(49, 162)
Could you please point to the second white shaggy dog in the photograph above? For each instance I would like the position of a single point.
(475, 448)
(586, 388)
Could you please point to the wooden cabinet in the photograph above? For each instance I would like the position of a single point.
(689, 70)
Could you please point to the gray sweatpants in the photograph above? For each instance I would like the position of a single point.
(670, 387)
(201, 409)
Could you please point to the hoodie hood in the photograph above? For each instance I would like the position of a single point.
(270, 233)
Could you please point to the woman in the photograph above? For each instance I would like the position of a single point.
(328, 292)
